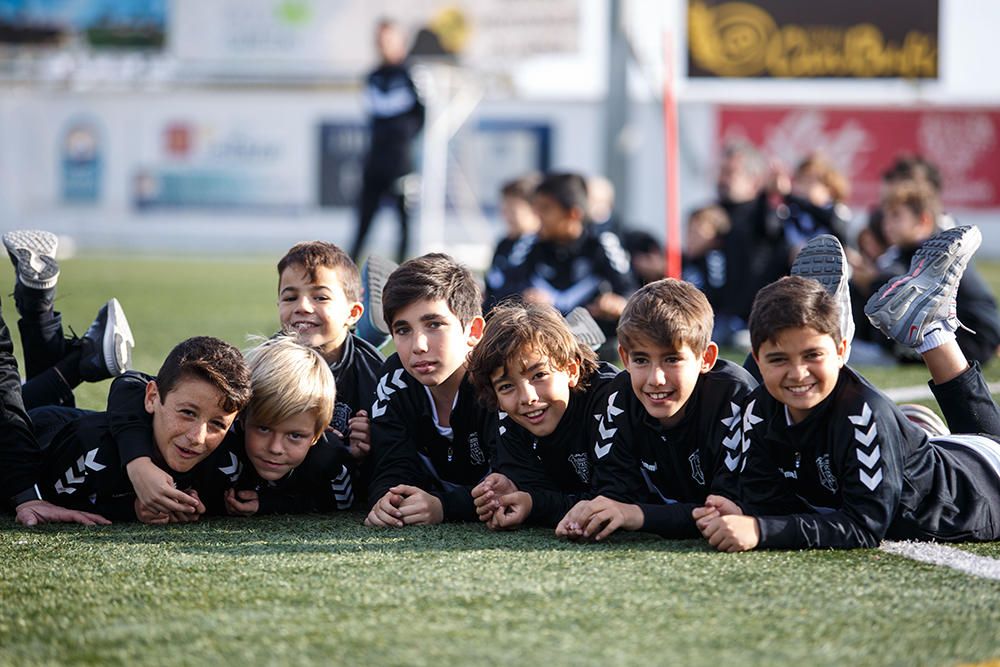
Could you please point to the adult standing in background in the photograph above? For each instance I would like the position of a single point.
(396, 116)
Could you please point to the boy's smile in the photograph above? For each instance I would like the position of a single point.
(431, 341)
(800, 368)
(188, 424)
(663, 378)
(275, 450)
(533, 393)
(318, 311)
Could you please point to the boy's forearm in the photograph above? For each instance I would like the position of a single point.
(549, 507)
(812, 531)
(457, 503)
(673, 521)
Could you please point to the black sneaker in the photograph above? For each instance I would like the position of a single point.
(106, 348)
(33, 254)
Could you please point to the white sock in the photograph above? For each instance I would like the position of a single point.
(938, 333)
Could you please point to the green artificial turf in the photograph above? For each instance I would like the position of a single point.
(325, 590)
(321, 590)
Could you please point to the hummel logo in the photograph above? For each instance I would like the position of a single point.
(871, 481)
(734, 419)
(612, 410)
(602, 450)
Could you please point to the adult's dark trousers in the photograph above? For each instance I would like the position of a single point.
(375, 186)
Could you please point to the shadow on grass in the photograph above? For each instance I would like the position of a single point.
(338, 534)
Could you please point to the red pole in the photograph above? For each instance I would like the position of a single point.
(673, 235)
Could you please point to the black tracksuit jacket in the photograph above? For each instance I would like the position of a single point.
(855, 471)
(407, 447)
(669, 472)
(556, 469)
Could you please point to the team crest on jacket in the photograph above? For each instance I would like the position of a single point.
(581, 464)
(826, 477)
(696, 472)
(341, 416)
(475, 451)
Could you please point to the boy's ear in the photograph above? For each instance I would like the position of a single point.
(709, 357)
(842, 351)
(576, 213)
(152, 396)
(357, 310)
(475, 330)
(573, 371)
(623, 355)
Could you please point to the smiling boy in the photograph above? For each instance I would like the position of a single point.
(282, 464)
(831, 462)
(431, 438)
(189, 408)
(669, 433)
(550, 389)
(319, 299)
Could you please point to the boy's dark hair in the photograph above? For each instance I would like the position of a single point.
(212, 360)
(521, 188)
(914, 168)
(428, 277)
(515, 328)
(638, 242)
(669, 313)
(789, 303)
(569, 190)
(310, 255)
(914, 195)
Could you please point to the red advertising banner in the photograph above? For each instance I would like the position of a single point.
(863, 142)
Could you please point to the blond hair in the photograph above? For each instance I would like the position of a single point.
(287, 379)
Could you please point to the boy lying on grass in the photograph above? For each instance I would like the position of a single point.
(551, 392)
(668, 435)
(830, 461)
(76, 461)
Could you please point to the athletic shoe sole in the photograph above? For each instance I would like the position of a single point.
(33, 254)
(585, 328)
(905, 305)
(822, 259)
(374, 274)
(118, 341)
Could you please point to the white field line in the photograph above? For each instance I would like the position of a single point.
(922, 391)
(946, 556)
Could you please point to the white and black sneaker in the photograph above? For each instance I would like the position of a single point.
(33, 254)
(921, 301)
(822, 259)
(106, 348)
